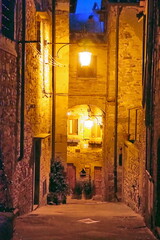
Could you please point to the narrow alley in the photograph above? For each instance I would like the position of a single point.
(82, 220)
(79, 116)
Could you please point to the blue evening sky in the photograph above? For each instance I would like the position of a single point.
(85, 6)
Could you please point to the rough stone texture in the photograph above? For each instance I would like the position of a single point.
(129, 86)
(8, 124)
(100, 91)
(61, 79)
(88, 91)
(88, 158)
(37, 113)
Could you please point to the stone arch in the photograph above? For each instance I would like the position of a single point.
(84, 142)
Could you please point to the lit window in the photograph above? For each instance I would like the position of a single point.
(73, 126)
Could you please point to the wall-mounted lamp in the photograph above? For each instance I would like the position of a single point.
(85, 58)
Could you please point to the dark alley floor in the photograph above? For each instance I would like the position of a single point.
(82, 220)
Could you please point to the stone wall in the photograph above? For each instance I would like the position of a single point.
(134, 175)
(88, 91)
(129, 83)
(61, 78)
(37, 115)
(8, 118)
(84, 158)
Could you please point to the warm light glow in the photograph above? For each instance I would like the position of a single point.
(88, 124)
(85, 58)
(68, 113)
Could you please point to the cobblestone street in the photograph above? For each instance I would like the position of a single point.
(82, 220)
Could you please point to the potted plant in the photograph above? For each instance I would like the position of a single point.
(88, 189)
(77, 191)
(58, 184)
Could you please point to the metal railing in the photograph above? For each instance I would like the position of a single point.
(133, 123)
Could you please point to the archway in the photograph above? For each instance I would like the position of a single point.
(84, 143)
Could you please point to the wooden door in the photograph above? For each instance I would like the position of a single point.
(37, 155)
(98, 180)
(71, 175)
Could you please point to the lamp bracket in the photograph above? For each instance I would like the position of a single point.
(34, 41)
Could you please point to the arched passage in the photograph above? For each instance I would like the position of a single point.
(84, 145)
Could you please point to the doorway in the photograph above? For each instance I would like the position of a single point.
(71, 175)
(98, 180)
(37, 155)
(158, 186)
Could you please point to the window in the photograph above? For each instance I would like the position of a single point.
(134, 118)
(73, 126)
(88, 71)
(8, 18)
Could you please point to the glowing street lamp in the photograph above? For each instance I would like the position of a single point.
(85, 58)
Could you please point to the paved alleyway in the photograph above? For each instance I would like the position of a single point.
(82, 220)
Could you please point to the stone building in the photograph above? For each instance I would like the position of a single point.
(109, 89)
(101, 120)
(26, 102)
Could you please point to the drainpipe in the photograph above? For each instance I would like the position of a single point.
(53, 82)
(22, 80)
(119, 8)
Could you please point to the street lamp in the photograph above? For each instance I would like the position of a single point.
(85, 58)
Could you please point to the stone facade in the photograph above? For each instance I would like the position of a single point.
(100, 91)
(8, 100)
(37, 111)
(61, 78)
(129, 94)
(88, 91)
